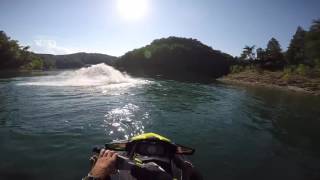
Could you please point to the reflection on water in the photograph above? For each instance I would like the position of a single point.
(125, 122)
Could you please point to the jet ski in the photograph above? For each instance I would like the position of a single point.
(146, 155)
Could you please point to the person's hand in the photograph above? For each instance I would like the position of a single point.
(105, 164)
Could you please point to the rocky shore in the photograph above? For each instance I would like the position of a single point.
(277, 79)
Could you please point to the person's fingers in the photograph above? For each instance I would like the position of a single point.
(113, 160)
(114, 156)
(101, 152)
(110, 154)
(106, 153)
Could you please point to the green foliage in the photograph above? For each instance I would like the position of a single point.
(14, 56)
(286, 75)
(296, 51)
(274, 51)
(313, 42)
(237, 68)
(270, 58)
(76, 60)
(273, 47)
(248, 53)
(302, 57)
(289, 69)
(303, 70)
(176, 58)
(36, 63)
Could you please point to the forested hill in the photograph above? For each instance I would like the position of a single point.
(172, 58)
(75, 60)
(13, 56)
(176, 58)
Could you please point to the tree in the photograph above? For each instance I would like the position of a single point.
(273, 55)
(313, 42)
(176, 58)
(260, 54)
(9, 51)
(273, 51)
(296, 50)
(14, 56)
(248, 53)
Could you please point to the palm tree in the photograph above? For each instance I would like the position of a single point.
(248, 53)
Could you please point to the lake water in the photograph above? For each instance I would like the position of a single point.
(49, 123)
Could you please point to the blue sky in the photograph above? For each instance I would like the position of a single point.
(68, 26)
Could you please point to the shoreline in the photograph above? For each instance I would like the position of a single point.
(259, 80)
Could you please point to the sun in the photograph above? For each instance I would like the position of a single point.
(133, 9)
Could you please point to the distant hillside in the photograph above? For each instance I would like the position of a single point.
(176, 58)
(76, 60)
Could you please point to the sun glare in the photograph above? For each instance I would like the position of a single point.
(133, 9)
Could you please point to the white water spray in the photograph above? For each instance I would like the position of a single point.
(95, 75)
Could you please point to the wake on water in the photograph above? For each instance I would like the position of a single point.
(95, 75)
(119, 123)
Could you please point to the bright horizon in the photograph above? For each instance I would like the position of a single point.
(117, 26)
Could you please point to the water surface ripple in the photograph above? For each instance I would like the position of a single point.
(49, 123)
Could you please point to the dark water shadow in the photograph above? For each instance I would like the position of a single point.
(295, 118)
(16, 175)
